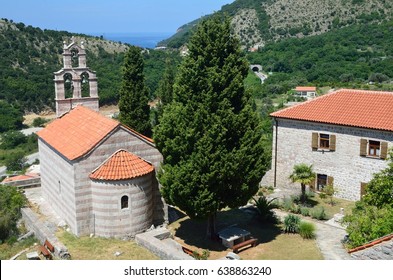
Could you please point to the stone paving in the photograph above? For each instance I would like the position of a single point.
(328, 237)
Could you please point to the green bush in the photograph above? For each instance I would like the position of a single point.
(307, 230)
(319, 213)
(305, 211)
(291, 224)
(39, 122)
(367, 223)
(287, 204)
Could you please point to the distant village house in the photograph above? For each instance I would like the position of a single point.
(306, 92)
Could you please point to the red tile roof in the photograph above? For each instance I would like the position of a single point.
(77, 132)
(20, 178)
(122, 165)
(305, 88)
(349, 107)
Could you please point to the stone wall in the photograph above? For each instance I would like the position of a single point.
(57, 182)
(160, 243)
(380, 251)
(110, 220)
(42, 233)
(118, 139)
(345, 164)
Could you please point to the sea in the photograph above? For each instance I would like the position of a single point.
(144, 40)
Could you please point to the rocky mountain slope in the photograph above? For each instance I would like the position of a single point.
(260, 21)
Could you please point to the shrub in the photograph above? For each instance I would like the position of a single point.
(39, 122)
(305, 211)
(287, 204)
(291, 224)
(307, 230)
(319, 213)
(367, 223)
(322, 195)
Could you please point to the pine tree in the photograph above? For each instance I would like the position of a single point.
(133, 102)
(209, 135)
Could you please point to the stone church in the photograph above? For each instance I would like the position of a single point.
(98, 175)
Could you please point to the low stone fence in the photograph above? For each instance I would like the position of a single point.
(379, 249)
(28, 183)
(42, 233)
(160, 243)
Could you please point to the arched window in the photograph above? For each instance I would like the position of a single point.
(75, 58)
(68, 86)
(124, 202)
(85, 88)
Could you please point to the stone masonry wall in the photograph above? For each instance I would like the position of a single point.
(57, 182)
(345, 164)
(112, 221)
(119, 139)
(382, 251)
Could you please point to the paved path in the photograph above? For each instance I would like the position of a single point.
(328, 237)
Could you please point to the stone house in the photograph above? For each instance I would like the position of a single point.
(345, 135)
(97, 174)
(306, 92)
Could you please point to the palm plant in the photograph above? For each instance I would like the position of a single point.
(303, 174)
(265, 208)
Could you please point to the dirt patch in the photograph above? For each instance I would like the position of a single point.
(50, 115)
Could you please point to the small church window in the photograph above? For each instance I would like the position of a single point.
(124, 202)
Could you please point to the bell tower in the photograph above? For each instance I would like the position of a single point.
(75, 83)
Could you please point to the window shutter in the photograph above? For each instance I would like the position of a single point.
(330, 180)
(384, 150)
(314, 143)
(362, 189)
(312, 183)
(363, 147)
(332, 142)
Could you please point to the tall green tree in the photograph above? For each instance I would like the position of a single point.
(133, 103)
(303, 174)
(209, 135)
(165, 89)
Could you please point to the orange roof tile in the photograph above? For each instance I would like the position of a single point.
(305, 88)
(122, 165)
(77, 132)
(20, 178)
(349, 107)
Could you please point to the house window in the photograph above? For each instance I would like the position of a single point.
(323, 141)
(374, 148)
(124, 202)
(321, 182)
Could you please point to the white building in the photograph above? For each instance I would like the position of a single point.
(306, 92)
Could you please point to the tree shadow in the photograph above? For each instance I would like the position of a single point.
(193, 232)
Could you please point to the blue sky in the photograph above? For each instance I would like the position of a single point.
(111, 16)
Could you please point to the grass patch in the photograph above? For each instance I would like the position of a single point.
(7, 251)
(98, 248)
(273, 244)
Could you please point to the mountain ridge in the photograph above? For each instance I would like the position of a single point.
(257, 22)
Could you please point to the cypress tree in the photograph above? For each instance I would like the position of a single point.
(209, 135)
(164, 90)
(133, 102)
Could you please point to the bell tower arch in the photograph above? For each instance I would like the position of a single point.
(74, 78)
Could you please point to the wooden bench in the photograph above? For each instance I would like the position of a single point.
(253, 242)
(48, 245)
(190, 252)
(45, 252)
